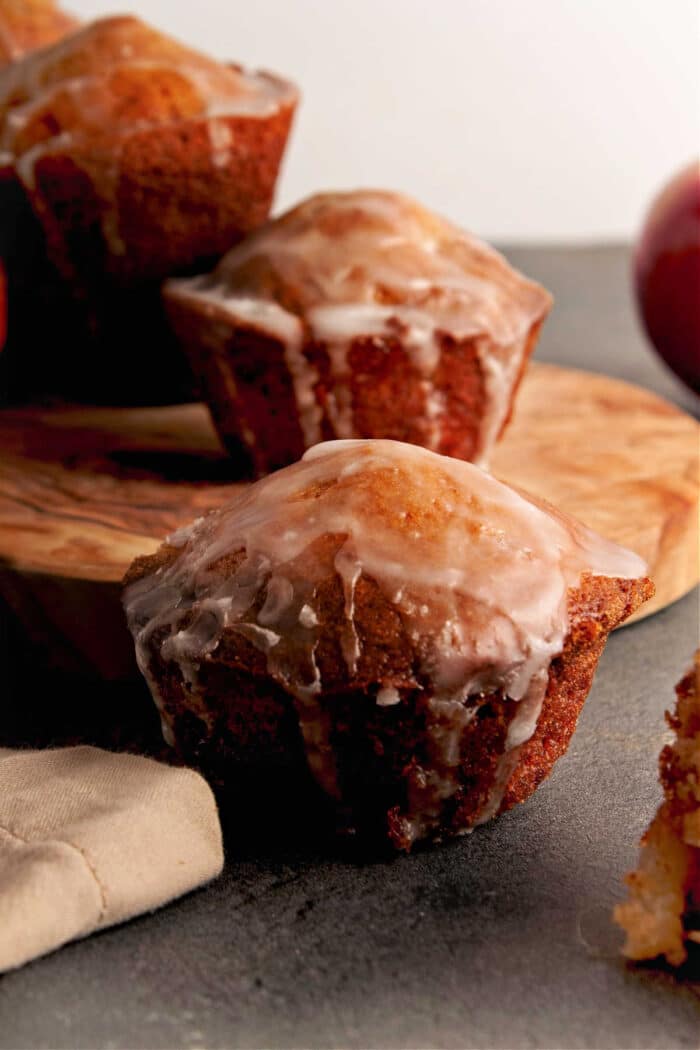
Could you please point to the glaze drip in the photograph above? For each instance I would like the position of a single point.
(478, 573)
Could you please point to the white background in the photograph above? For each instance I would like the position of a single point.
(525, 120)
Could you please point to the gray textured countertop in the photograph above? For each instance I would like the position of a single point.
(501, 939)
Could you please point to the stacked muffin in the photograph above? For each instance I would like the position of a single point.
(365, 316)
(130, 158)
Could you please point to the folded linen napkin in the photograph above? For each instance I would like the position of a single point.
(89, 838)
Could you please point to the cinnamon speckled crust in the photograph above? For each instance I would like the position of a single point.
(241, 720)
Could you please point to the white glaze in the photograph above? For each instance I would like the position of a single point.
(180, 537)
(500, 369)
(375, 265)
(478, 573)
(221, 138)
(262, 314)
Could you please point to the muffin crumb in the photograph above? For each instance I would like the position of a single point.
(662, 913)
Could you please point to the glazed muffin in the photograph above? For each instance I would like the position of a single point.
(26, 25)
(138, 159)
(358, 315)
(416, 633)
(662, 915)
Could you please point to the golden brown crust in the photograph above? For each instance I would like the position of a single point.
(26, 25)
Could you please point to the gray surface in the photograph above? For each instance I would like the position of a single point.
(500, 939)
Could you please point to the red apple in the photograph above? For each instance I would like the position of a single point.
(667, 275)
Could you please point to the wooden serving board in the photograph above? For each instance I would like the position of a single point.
(83, 491)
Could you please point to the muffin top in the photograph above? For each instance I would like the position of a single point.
(477, 573)
(28, 24)
(353, 263)
(118, 73)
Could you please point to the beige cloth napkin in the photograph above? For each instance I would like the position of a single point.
(89, 838)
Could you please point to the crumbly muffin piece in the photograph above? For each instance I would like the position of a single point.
(363, 315)
(139, 159)
(418, 634)
(662, 915)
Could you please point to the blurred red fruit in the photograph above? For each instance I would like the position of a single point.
(667, 275)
